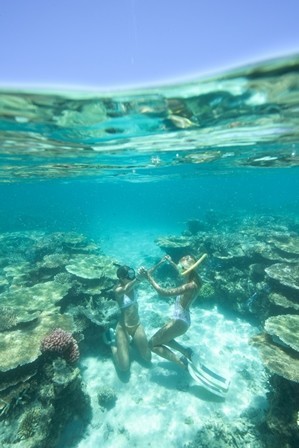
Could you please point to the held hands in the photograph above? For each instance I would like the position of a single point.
(142, 273)
(145, 273)
(150, 271)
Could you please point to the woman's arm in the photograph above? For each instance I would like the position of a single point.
(172, 263)
(168, 259)
(120, 290)
(151, 270)
(168, 292)
(131, 285)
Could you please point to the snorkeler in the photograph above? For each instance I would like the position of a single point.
(164, 339)
(129, 327)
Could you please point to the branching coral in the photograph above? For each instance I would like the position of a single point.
(62, 343)
(29, 423)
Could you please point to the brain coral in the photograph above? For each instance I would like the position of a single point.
(62, 343)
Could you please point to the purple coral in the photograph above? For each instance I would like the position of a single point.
(62, 343)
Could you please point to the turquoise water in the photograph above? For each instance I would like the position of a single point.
(98, 208)
(126, 168)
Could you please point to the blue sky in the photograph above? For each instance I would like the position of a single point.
(116, 43)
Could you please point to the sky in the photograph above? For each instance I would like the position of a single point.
(119, 43)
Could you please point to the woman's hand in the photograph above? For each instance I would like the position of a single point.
(142, 272)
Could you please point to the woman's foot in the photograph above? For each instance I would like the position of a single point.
(184, 362)
(189, 353)
(109, 337)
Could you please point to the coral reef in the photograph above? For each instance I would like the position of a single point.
(207, 292)
(8, 318)
(285, 274)
(285, 328)
(282, 303)
(175, 246)
(62, 374)
(30, 422)
(280, 427)
(279, 360)
(252, 269)
(250, 263)
(107, 397)
(279, 346)
(288, 245)
(50, 403)
(39, 297)
(91, 267)
(102, 312)
(218, 433)
(62, 343)
(57, 286)
(22, 347)
(41, 395)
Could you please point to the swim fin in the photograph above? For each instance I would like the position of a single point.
(210, 380)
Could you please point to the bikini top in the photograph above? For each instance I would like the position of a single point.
(127, 301)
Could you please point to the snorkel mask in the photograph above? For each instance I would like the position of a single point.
(125, 272)
(131, 274)
(188, 264)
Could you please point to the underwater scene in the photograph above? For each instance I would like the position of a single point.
(149, 264)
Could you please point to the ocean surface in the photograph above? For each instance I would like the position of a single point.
(126, 169)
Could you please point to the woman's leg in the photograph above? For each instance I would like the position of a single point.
(186, 351)
(120, 351)
(165, 336)
(141, 342)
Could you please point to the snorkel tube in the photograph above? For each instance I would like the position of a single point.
(195, 265)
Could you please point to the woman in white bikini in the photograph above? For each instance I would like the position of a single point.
(180, 321)
(129, 327)
(164, 339)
